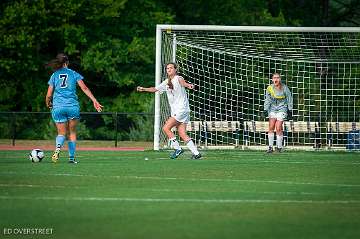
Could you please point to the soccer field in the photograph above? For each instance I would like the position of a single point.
(228, 194)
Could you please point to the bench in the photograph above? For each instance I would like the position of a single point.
(204, 128)
(351, 129)
(309, 127)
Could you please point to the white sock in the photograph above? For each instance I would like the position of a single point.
(279, 141)
(271, 138)
(192, 147)
(174, 143)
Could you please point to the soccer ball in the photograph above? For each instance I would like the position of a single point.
(36, 155)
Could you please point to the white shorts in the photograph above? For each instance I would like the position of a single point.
(182, 117)
(278, 115)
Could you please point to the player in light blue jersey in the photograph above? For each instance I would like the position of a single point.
(61, 98)
(278, 106)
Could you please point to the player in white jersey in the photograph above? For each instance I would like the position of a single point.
(278, 106)
(174, 86)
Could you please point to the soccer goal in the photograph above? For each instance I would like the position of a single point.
(231, 67)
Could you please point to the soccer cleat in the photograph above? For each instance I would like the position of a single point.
(198, 156)
(270, 150)
(279, 150)
(55, 156)
(72, 160)
(176, 153)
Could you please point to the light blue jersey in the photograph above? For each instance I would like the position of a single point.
(278, 100)
(64, 82)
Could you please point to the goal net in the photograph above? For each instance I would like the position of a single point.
(231, 68)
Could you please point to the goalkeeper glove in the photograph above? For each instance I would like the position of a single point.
(289, 115)
(265, 113)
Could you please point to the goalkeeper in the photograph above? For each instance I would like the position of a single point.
(278, 106)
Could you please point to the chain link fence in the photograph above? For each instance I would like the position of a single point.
(106, 126)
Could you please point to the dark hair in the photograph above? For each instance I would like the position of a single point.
(58, 62)
(170, 84)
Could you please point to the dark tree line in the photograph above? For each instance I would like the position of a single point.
(112, 43)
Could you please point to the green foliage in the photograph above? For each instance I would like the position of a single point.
(112, 42)
(135, 103)
(231, 12)
(142, 130)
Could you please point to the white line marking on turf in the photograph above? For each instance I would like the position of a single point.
(171, 190)
(36, 186)
(175, 190)
(236, 191)
(190, 179)
(245, 180)
(181, 200)
(215, 180)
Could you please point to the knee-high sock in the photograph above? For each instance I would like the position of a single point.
(192, 147)
(271, 138)
(72, 149)
(59, 141)
(174, 143)
(279, 141)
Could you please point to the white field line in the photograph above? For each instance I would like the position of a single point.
(171, 190)
(265, 160)
(297, 162)
(180, 200)
(188, 179)
(36, 186)
(248, 181)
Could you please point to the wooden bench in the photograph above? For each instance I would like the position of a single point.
(288, 127)
(337, 128)
(204, 128)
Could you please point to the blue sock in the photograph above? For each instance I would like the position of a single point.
(72, 149)
(60, 139)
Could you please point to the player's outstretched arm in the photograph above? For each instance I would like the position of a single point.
(87, 92)
(144, 89)
(185, 84)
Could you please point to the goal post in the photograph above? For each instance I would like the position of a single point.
(231, 66)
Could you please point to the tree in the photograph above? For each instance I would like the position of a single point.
(110, 42)
(327, 13)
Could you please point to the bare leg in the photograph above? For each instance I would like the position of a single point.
(182, 132)
(72, 129)
(169, 124)
(279, 134)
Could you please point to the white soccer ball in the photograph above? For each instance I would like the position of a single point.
(36, 155)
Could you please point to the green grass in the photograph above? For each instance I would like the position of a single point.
(229, 194)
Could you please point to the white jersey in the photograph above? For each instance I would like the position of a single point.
(177, 97)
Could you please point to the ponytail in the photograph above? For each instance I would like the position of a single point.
(58, 62)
